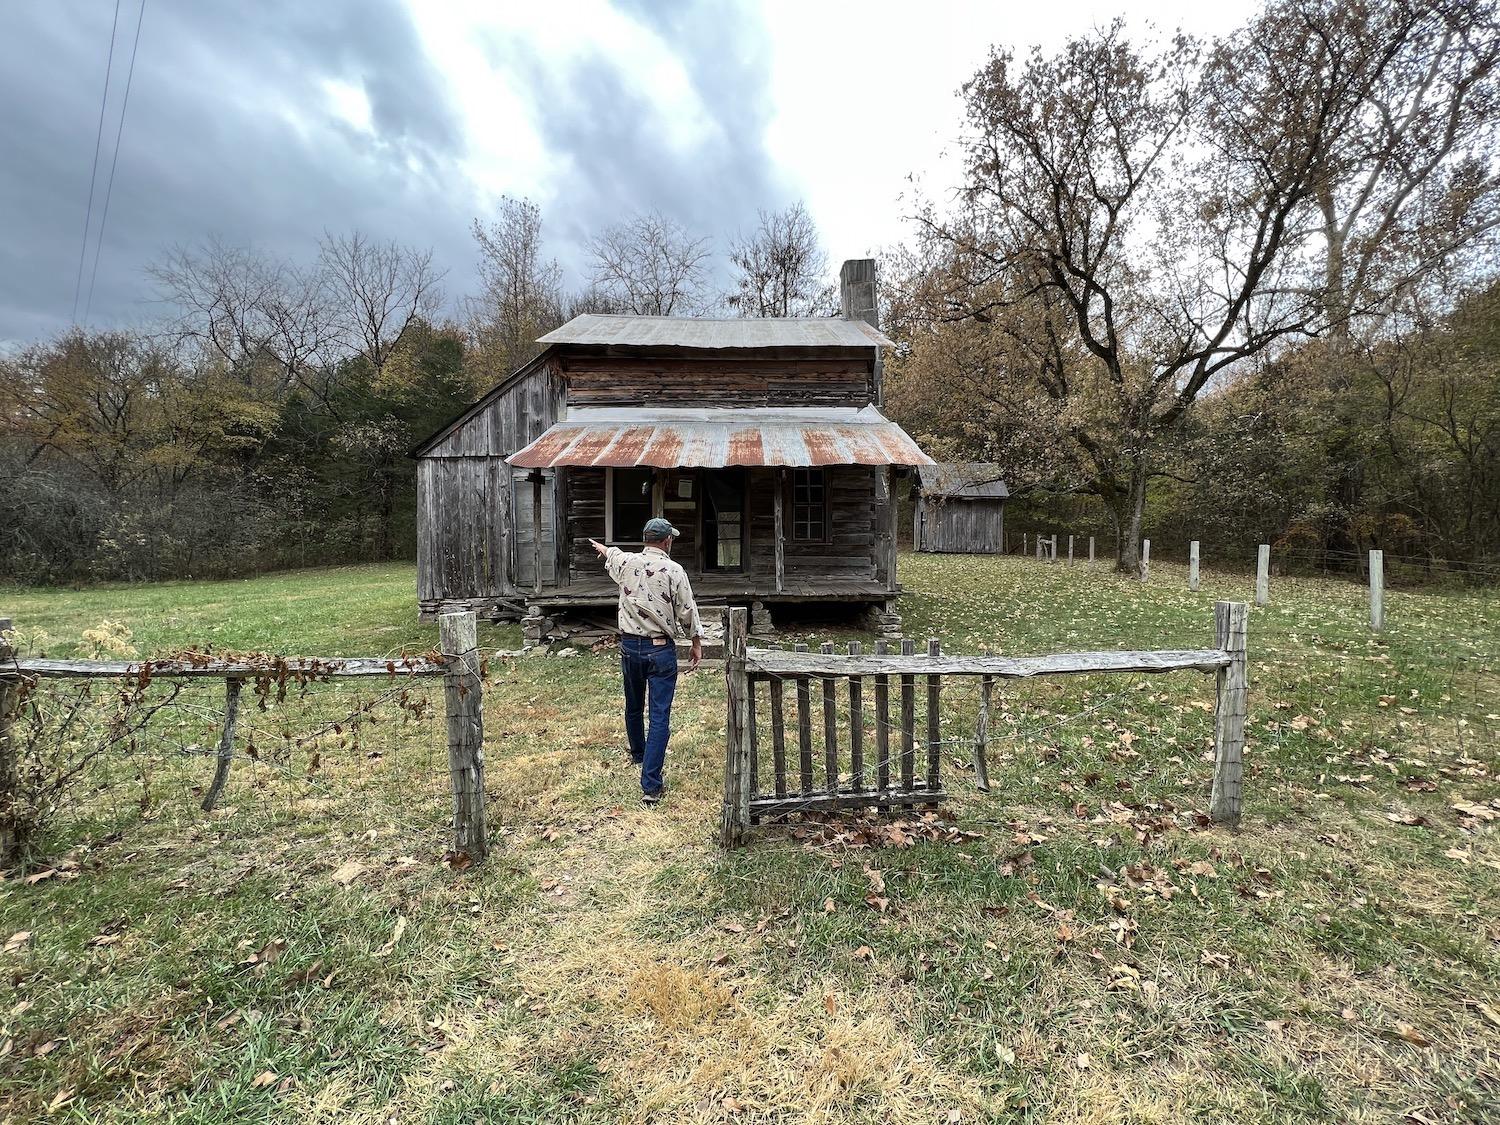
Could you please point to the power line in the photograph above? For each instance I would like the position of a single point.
(115, 160)
(88, 214)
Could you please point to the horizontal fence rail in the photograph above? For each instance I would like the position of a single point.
(309, 667)
(774, 662)
(457, 660)
(898, 777)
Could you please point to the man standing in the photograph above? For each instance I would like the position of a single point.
(656, 601)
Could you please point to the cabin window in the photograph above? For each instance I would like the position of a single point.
(809, 506)
(629, 504)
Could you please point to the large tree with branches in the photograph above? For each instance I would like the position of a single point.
(1137, 220)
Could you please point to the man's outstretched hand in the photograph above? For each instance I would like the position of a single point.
(599, 548)
(695, 658)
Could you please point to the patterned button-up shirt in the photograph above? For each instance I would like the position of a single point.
(656, 599)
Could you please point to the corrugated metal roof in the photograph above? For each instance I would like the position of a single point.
(707, 332)
(668, 438)
(971, 480)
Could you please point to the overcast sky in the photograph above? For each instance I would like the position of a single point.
(266, 123)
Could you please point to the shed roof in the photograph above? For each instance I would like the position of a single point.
(966, 480)
(667, 437)
(710, 333)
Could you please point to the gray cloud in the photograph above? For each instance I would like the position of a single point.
(228, 134)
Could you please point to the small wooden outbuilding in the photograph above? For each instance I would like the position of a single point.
(761, 439)
(959, 508)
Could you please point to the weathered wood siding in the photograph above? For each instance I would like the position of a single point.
(463, 530)
(473, 519)
(525, 552)
(727, 378)
(959, 526)
(853, 516)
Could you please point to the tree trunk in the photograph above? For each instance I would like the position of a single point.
(1128, 509)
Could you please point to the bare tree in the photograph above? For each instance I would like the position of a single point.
(781, 268)
(379, 291)
(522, 296)
(651, 266)
(1410, 181)
(248, 309)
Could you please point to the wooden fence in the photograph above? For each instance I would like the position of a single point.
(457, 661)
(745, 801)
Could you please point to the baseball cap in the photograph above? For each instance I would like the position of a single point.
(657, 529)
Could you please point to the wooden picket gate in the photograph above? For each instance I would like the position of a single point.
(875, 784)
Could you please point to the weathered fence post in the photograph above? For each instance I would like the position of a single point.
(1377, 590)
(1038, 548)
(830, 726)
(463, 687)
(1230, 623)
(1091, 550)
(856, 725)
(1070, 550)
(1193, 566)
(982, 735)
(1053, 547)
(224, 755)
(1145, 558)
(934, 733)
(1263, 575)
(1024, 537)
(909, 719)
(882, 725)
(804, 727)
(10, 698)
(736, 813)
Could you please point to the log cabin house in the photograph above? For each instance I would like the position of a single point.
(959, 508)
(761, 440)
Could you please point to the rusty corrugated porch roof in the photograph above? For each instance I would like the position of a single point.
(669, 438)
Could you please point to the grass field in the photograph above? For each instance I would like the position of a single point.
(1071, 947)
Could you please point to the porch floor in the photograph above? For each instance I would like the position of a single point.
(720, 589)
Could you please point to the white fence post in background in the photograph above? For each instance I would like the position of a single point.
(1377, 590)
(1023, 542)
(1231, 620)
(1091, 550)
(1054, 546)
(1145, 558)
(1070, 550)
(1263, 575)
(1038, 548)
(1193, 566)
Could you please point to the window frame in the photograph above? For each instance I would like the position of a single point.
(826, 514)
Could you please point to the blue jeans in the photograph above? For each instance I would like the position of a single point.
(650, 673)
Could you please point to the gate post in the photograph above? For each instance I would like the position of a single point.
(735, 817)
(1230, 621)
(458, 640)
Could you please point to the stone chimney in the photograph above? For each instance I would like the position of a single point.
(857, 302)
(857, 291)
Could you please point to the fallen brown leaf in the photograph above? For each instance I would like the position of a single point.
(396, 933)
(1412, 1035)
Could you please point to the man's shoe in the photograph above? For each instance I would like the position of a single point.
(650, 800)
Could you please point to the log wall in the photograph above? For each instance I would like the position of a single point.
(729, 378)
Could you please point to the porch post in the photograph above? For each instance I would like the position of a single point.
(890, 528)
(779, 487)
(536, 530)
